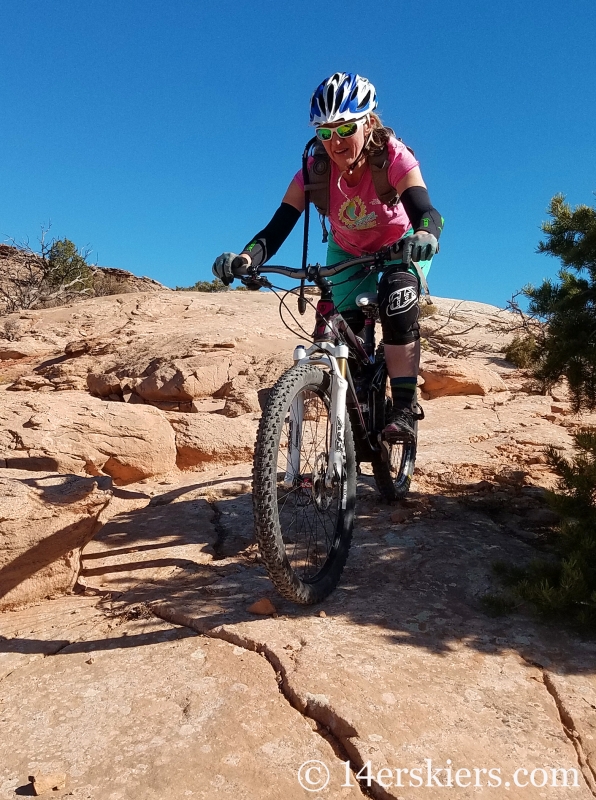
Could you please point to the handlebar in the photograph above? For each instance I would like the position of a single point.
(315, 271)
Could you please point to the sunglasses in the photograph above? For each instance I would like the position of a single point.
(344, 131)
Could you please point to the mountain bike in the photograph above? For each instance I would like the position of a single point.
(323, 418)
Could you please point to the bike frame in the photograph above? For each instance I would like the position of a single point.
(328, 354)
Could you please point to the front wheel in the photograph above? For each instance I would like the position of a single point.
(303, 525)
(393, 466)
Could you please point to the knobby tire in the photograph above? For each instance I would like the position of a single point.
(303, 529)
(393, 469)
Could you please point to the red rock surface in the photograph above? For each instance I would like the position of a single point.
(157, 680)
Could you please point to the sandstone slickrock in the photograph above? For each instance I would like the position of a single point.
(159, 713)
(454, 377)
(244, 402)
(29, 383)
(73, 432)
(25, 348)
(102, 385)
(174, 346)
(204, 438)
(403, 670)
(43, 629)
(189, 379)
(45, 521)
(400, 667)
(160, 544)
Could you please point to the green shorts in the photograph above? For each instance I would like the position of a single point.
(344, 290)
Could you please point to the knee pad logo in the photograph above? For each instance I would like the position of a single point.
(401, 300)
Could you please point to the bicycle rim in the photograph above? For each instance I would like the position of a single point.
(303, 526)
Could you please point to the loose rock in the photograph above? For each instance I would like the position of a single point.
(46, 783)
(263, 607)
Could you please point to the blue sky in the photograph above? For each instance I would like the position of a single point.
(162, 133)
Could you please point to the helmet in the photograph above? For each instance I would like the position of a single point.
(342, 97)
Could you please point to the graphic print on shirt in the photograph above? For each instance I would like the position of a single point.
(352, 215)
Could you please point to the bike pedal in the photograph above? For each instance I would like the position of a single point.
(418, 414)
(397, 438)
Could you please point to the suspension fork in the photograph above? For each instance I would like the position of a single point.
(295, 441)
(295, 431)
(339, 391)
(335, 358)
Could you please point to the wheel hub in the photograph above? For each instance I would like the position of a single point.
(322, 495)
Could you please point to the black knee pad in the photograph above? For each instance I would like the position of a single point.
(399, 291)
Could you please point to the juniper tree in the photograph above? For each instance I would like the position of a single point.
(56, 274)
(66, 265)
(565, 585)
(568, 306)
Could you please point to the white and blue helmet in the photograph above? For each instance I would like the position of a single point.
(342, 97)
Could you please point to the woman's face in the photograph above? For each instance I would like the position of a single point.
(344, 152)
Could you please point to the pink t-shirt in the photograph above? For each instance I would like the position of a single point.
(360, 223)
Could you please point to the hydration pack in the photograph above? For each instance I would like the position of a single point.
(317, 176)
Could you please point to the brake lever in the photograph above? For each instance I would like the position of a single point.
(256, 282)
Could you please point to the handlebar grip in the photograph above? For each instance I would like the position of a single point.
(239, 267)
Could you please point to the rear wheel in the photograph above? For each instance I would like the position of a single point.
(393, 467)
(303, 526)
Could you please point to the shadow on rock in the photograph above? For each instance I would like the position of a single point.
(418, 581)
(415, 575)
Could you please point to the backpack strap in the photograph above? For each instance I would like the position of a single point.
(317, 177)
(319, 174)
(379, 169)
(379, 166)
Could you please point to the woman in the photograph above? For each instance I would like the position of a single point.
(342, 112)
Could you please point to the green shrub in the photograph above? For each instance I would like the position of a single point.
(58, 274)
(67, 265)
(204, 286)
(565, 585)
(522, 351)
(497, 605)
(428, 310)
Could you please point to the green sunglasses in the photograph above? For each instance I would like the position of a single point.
(344, 131)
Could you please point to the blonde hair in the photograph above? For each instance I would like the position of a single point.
(379, 135)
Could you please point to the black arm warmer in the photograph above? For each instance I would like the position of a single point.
(420, 211)
(268, 241)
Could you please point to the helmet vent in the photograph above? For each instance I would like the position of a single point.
(330, 94)
(364, 102)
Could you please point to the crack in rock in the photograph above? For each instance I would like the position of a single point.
(220, 531)
(572, 734)
(336, 731)
(568, 725)
(60, 649)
